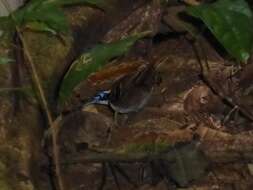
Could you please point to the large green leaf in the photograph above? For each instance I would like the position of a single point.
(54, 17)
(92, 61)
(40, 27)
(38, 11)
(19, 14)
(231, 22)
(46, 15)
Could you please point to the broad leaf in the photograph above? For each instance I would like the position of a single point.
(54, 18)
(48, 14)
(92, 61)
(5, 60)
(19, 14)
(231, 22)
(40, 27)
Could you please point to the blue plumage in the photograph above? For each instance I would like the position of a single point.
(100, 98)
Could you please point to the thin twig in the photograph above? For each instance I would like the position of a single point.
(41, 97)
(214, 88)
(227, 117)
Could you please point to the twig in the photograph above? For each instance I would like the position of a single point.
(41, 97)
(227, 117)
(214, 87)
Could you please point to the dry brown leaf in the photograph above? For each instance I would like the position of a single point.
(114, 71)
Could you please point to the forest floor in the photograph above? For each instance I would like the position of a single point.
(194, 131)
(183, 108)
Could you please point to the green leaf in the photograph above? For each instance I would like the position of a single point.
(92, 61)
(40, 27)
(48, 14)
(51, 16)
(231, 22)
(5, 60)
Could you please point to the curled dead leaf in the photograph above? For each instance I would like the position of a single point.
(201, 100)
(114, 71)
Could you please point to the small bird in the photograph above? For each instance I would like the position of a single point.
(132, 92)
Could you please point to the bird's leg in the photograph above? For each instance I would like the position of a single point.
(122, 120)
(116, 115)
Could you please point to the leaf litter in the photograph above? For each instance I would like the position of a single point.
(187, 136)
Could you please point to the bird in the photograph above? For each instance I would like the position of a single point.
(132, 92)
